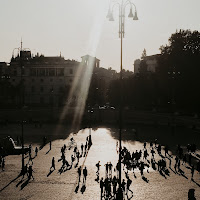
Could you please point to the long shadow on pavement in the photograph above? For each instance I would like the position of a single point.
(10, 183)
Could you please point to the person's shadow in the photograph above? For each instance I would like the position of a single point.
(25, 184)
(50, 172)
(10, 183)
(77, 187)
(83, 188)
(196, 182)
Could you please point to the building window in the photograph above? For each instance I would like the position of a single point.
(41, 72)
(51, 89)
(60, 89)
(33, 72)
(23, 71)
(71, 71)
(41, 100)
(33, 89)
(52, 72)
(60, 72)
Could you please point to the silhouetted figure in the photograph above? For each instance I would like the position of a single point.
(79, 174)
(44, 140)
(128, 184)
(190, 159)
(106, 171)
(53, 164)
(110, 169)
(81, 148)
(30, 172)
(50, 145)
(3, 164)
(184, 159)
(191, 195)
(36, 151)
(152, 153)
(25, 171)
(198, 166)
(123, 186)
(192, 172)
(98, 167)
(84, 174)
(166, 150)
(102, 186)
(145, 144)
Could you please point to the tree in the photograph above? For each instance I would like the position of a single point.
(178, 69)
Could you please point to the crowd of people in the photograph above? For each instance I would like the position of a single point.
(155, 156)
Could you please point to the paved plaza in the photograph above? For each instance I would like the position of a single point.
(66, 186)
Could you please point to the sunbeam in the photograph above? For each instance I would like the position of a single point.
(81, 82)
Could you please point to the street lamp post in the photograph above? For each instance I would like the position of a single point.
(122, 4)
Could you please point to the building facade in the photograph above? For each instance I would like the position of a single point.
(151, 63)
(40, 80)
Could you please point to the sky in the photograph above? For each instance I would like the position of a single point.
(80, 27)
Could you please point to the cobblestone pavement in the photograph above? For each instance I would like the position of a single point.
(63, 186)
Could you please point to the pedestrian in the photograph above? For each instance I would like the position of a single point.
(79, 174)
(101, 186)
(145, 144)
(152, 153)
(84, 174)
(36, 151)
(170, 162)
(128, 184)
(98, 167)
(81, 149)
(53, 164)
(110, 169)
(50, 145)
(123, 186)
(25, 171)
(190, 159)
(198, 166)
(78, 155)
(192, 172)
(191, 194)
(30, 172)
(3, 164)
(106, 171)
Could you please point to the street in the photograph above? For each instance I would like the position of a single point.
(57, 185)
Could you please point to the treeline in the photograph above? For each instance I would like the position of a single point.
(175, 85)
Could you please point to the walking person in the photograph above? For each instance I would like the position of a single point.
(36, 151)
(79, 174)
(84, 174)
(50, 145)
(30, 172)
(192, 172)
(81, 149)
(3, 164)
(128, 184)
(98, 167)
(101, 186)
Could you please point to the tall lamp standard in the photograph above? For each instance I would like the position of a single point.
(122, 4)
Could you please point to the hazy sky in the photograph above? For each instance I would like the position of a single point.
(80, 27)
